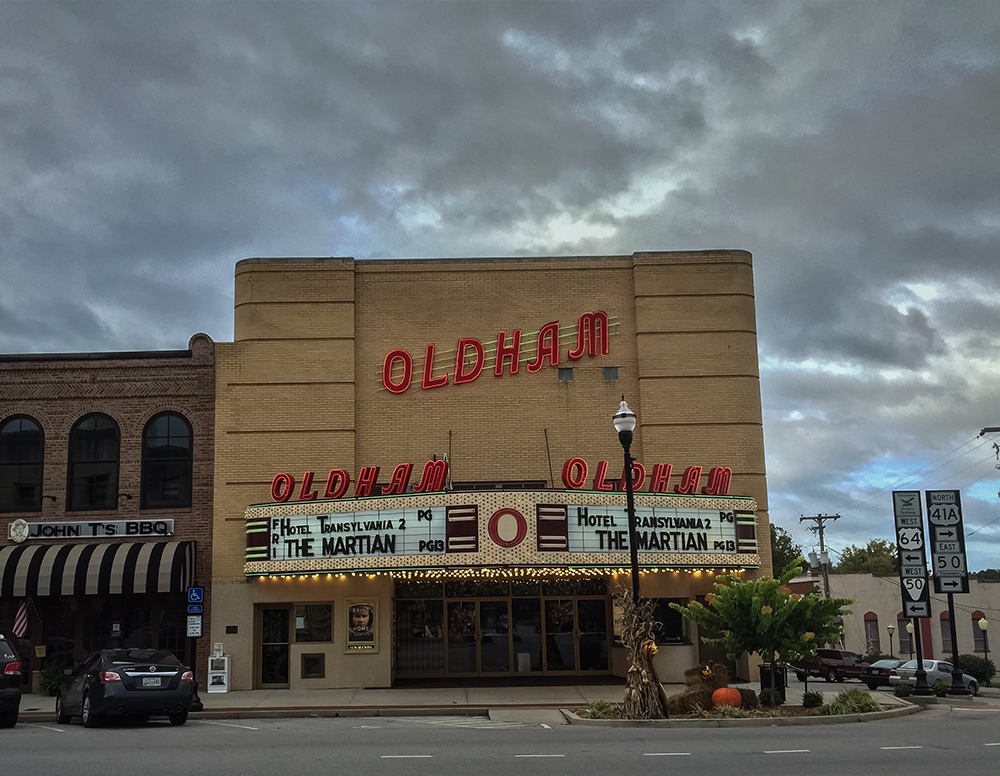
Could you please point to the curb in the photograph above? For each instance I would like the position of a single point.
(840, 719)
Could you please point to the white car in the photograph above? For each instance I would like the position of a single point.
(936, 669)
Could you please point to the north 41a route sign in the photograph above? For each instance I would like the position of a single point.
(947, 534)
(910, 546)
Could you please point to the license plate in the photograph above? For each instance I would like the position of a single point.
(150, 681)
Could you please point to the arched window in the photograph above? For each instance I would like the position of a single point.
(945, 632)
(872, 644)
(22, 450)
(905, 637)
(166, 462)
(94, 445)
(980, 642)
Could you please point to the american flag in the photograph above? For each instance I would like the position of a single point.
(21, 619)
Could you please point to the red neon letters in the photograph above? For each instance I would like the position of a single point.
(470, 358)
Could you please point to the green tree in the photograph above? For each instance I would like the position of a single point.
(783, 549)
(877, 557)
(765, 617)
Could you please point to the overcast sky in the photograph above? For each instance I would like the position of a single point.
(852, 147)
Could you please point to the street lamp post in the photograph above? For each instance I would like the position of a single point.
(909, 630)
(624, 421)
(986, 639)
(891, 629)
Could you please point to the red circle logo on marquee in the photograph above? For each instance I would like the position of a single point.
(507, 527)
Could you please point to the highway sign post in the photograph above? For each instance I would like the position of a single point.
(913, 583)
(944, 516)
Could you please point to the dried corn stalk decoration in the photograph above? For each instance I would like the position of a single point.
(644, 696)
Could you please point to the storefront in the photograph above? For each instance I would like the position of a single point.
(495, 548)
(105, 501)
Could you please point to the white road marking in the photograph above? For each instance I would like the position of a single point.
(900, 747)
(58, 730)
(996, 744)
(547, 727)
(226, 724)
(786, 751)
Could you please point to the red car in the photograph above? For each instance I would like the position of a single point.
(834, 665)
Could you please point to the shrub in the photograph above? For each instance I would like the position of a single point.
(51, 678)
(812, 700)
(941, 687)
(981, 669)
(851, 702)
(878, 656)
(604, 710)
(767, 700)
(903, 690)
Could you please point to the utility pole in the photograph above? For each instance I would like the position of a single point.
(824, 558)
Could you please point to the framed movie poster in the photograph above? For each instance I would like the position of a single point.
(362, 626)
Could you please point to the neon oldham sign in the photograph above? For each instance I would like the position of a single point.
(575, 476)
(592, 332)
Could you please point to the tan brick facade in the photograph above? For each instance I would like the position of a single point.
(131, 388)
(300, 389)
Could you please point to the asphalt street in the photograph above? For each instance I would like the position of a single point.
(935, 741)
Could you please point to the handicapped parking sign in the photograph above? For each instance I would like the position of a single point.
(196, 595)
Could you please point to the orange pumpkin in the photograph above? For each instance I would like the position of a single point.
(727, 696)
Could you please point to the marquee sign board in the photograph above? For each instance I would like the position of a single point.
(944, 515)
(910, 545)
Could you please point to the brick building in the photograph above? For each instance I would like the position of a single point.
(106, 477)
(347, 554)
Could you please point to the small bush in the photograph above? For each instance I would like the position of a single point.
(878, 656)
(979, 668)
(767, 700)
(51, 678)
(604, 710)
(903, 690)
(851, 702)
(812, 700)
(941, 687)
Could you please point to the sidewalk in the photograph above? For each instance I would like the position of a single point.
(469, 701)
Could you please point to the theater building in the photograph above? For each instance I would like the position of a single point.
(417, 474)
(105, 499)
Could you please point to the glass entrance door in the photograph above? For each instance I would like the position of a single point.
(462, 644)
(494, 637)
(560, 635)
(274, 646)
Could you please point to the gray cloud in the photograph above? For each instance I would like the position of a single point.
(148, 147)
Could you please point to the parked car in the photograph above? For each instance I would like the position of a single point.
(936, 669)
(834, 665)
(10, 684)
(877, 674)
(138, 682)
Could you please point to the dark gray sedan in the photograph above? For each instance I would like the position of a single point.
(136, 682)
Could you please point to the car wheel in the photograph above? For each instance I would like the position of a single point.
(831, 675)
(141, 719)
(179, 718)
(8, 718)
(89, 717)
(973, 688)
(872, 686)
(62, 718)
(800, 677)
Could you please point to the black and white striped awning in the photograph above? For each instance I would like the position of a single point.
(96, 569)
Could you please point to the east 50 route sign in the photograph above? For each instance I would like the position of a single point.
(910, 545)
(944, 514)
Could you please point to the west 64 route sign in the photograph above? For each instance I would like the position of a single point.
(947, 535)
(912, 555)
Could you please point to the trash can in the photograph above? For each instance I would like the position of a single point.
(780, 679)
